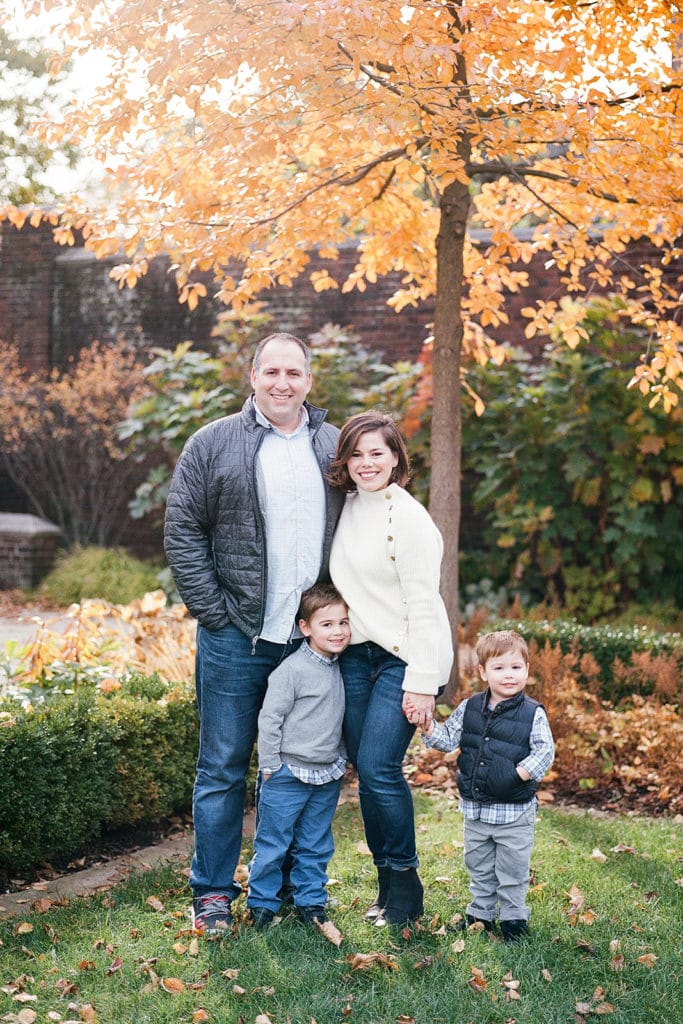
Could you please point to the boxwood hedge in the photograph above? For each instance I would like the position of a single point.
(91, 762)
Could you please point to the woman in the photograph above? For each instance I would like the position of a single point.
(385, 561)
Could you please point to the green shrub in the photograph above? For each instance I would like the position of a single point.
(91, 572)
(613, 648)
(56, 771)
(72, 769)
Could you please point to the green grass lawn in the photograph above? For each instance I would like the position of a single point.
(606, 941)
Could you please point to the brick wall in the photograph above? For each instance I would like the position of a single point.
(54, 300)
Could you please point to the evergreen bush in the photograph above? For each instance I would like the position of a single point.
(84, 764)
(111, 574)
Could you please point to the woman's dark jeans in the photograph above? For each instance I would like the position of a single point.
(377, 735)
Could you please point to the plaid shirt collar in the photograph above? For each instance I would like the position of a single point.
(318, 657)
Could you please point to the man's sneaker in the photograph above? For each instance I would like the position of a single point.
(211, 913)
(312, 915)
(261, 917)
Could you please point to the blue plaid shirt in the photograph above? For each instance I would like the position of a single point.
(446, 736)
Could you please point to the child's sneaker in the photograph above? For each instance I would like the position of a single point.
(261, 917)
(312, 915)
(211, 914)
(513, 931)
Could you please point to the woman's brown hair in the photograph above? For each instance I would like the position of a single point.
(351, 432)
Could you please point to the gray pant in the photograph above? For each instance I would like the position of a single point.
(498, 859)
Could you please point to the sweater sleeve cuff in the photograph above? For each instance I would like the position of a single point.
(421, 682)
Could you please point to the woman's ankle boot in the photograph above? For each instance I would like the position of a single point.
(376, 908)
(404, 903)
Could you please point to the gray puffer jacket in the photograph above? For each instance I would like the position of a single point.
(214, 536)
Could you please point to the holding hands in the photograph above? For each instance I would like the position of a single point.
(418, 709)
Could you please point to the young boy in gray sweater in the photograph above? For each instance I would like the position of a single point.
(301, 762)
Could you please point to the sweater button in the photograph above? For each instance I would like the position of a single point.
(388, 495)
(390, 537)
(395, 648)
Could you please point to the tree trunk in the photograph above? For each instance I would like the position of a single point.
(444, 498)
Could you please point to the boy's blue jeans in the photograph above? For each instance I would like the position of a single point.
(231, 681)
(377, 734)
(293, 817)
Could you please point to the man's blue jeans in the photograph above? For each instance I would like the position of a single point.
(293, 817)
(231, 680)
(377, 735)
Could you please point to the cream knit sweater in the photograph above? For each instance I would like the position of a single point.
(386, 563)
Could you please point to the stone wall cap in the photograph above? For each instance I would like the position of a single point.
(23, 524)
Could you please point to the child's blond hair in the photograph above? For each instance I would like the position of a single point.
(492, 645)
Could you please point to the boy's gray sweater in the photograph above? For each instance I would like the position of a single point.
(301, 719)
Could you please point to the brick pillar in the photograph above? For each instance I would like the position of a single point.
(27, 550)
(26, 270)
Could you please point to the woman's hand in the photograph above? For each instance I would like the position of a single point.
(419, 708)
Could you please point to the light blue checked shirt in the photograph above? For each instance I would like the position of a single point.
(446, 736)
(291, 494)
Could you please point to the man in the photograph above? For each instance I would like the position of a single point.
(249, 524)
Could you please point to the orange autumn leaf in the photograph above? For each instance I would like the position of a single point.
(365, 961)
(173, 985)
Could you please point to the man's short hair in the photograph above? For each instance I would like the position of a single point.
(281, 336)
(316, 597)
(492, 645)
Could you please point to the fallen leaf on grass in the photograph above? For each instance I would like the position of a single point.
(237, 990)
(23, 928)
(545, 974)
(403, 1018)
(598, 855)
(364, 961)
(458, 945)
(231, 973)
(115, 965)
(154, 903)
(25, 997)
(173, 985)
(477, 981)
(649, 959)
(262, 1018)
(200, 1014)
(620, 848)
(66, 988)
(330, 931)
(576, 900)
(25, 1016)
(511, 986)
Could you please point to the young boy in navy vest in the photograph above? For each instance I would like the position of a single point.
(506, 747)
